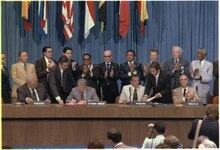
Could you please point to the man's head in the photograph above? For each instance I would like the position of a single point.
(135, 80)
(63, 62)
(23, 56)
(114, 136)
(86, 59)
(82, 84)
(47, 52)
(32, 80)
(154, 55)
(184, 80)
(67, 51)
(201, 54)
(154, 68)
(130, 54)
(212, 113)
(4, 59)
(95, 144)
(159, 128)
(107, 56)
(176, 52)
(172, 141)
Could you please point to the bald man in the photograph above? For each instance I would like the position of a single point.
(201, 73)
(107, 74)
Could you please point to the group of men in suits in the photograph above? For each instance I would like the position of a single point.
(161, 81)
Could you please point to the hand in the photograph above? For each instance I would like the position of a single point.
(145, 70)
(112, 73)
(60, 101)
(177, 67)
(47, 101)
(74, 64)
(158, 95)
(145, 98)
(189, 96)
(85, 70)
(72, 101)
(29, 100)
(82, 102)
(106, 74)
(196, 72)
(51, 64)
(132, 67)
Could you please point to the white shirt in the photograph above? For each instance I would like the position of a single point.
(152, 143)
(156, 78)
(200, 63)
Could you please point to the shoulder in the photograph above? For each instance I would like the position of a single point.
(208, 63)
(192, 89)
(176, 89)
(169, 61)
(115, 64)
(22, 88)
(40, 60)
(91, 89)
(15, 65)
(32, 65)
(142, 87)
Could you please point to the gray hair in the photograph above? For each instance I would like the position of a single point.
(201, 138)
(207, 144)
(179, 48)
(30, 77)
(82, 82)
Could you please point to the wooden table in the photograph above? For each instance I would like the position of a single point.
(57, 125)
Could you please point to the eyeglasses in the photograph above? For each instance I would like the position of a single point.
(108, 56)
(86, 59)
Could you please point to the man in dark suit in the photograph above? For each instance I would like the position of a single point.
(61, 80)
(107, 74)
(215, 74)
(87, 70)
(73, 65)
(128, 68)
(6, 88)
(159, 81)
(32, 91)
(44, 65)
(177, 66)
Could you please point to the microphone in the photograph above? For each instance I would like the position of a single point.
(101, 93)
(130, 94)
(150, 128)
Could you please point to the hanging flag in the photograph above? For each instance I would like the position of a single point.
(67, 17)
(43, 14)
(25, 13)
(143, 14)
(124, 18)
(89, 17)
(102, 14)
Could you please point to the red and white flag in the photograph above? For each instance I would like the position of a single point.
(124, 19)
(43, 14)
(67, 17)
(89, 17)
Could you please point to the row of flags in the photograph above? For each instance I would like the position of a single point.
(67, 17)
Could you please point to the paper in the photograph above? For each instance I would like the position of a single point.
(150, 99)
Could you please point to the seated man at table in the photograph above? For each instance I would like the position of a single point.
(32, 91)
(82, 93)
(184, 92)
(133, 91)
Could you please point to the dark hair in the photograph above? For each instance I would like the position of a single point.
(19, 53)
(132, 51)
(160, 127)
(45, 49)
(155, 65)
(133, 76)
(212, 113)
(66, 48)
(63, 59)
(87, 54)
(95, 144)
(114, 135)
(154, 50)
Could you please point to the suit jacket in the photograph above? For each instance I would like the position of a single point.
(126, 95)
(178, 95)
(75, 73)
(24, 92)
(147, 66)
(41, 71)
(90, 77)
(109, 85)
(90, 94)
(175, 76)
(19, 75)
(6, 88)
(54, 80)
(163, 87)
(215, 74)
(124, 70)
(209, 128)
(206, 72)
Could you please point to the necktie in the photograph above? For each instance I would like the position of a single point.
(200, 63)
(135, 96)
(82, 95)
(4, 69)
(34, 95)
(25, 67)
(108, 67)
(184, 92)
(156, 79)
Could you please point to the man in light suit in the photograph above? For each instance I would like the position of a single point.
(19, 72)
(32, 91)
(128, 68)
(133, 91)
(201, 72)
(82, 93)
(115, 139)
(44, 65)
(177, 66)
(146, 66)
(184, 92)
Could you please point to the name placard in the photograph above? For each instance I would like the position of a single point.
(96, 103)
(189, 103)
(136, 103)
(39, 103)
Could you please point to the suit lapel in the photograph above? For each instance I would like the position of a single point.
(28, 91)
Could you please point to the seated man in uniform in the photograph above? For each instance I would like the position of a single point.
(32, 91)
(82, 93)
(184, 92)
